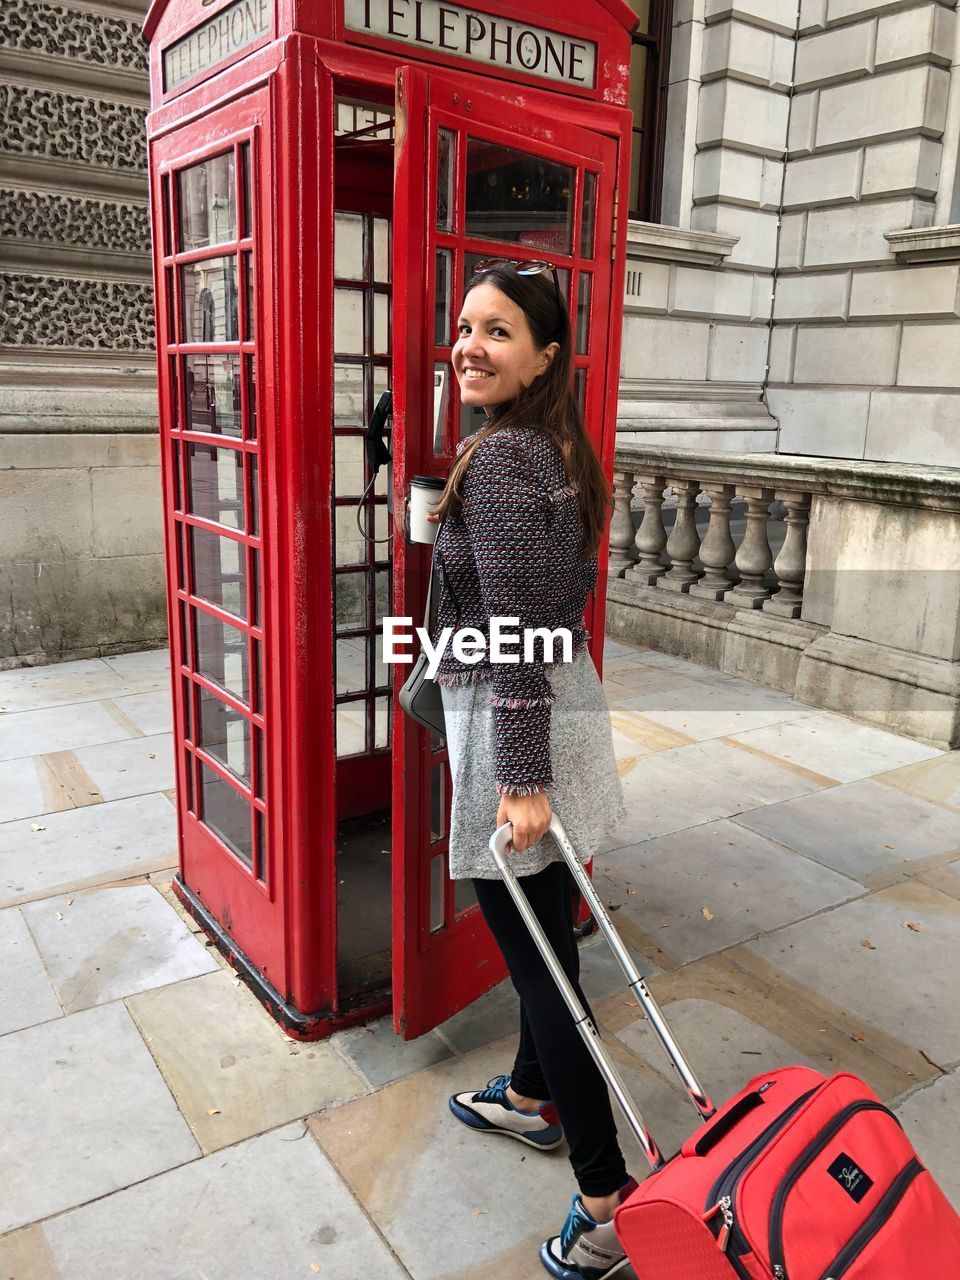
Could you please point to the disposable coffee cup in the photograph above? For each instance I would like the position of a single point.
(425, 494)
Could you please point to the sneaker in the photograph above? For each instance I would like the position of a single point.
(491, 1111)
(586, 1249)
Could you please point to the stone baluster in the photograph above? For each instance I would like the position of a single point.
(717, 549)
(684, 541)
(623, 549)
(791, 563)
(651, 536)
(754, 556)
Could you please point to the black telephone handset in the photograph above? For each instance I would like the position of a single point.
(379, 431)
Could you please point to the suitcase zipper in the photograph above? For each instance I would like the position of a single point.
(720, 1199)
(806, 1157)
(880, 1216)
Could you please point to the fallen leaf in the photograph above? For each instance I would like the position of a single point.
(912, 925)
(857, 1035)
(613, 906)
(59, 915)
(212, 1111)
(865, 942)
(707, 913)
(152, 755)
(69, 902)
(35, 826)
(664, 926)
(889, 846)
(314, 1267)
(631, 893)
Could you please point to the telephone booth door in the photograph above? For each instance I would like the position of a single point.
(479, 175)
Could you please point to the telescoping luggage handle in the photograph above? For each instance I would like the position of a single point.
(499, 842)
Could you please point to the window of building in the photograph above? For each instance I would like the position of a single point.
(649, 76)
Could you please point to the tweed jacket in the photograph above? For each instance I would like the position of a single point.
(514, 551)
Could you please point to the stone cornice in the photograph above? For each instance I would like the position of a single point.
(677, 244)
(905, 484)
(925, 244)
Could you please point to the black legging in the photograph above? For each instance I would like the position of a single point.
(552, 1060)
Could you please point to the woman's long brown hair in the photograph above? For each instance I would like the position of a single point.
(547, 404)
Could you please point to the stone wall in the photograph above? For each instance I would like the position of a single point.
(81, 564)
(822, 139)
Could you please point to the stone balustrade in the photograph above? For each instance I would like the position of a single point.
(834, 580)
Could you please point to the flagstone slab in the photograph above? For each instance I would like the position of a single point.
(725, 1049)
(757, 778)
(83, 1112)
(901, 981)
(86, 846)
(837, 748)
(937, 779)
(662, 796)
(26, 789)
(25, 1255)
(145, 671)
(746, 883)
(31, 688)
(860, 828)
(103, 944)
(222, 1053)
(152, 713)
(26, 996)
(381, 1055)
(271, 1208)
(931, 1118)
(704, 710)
(61, 728)
(121, 769)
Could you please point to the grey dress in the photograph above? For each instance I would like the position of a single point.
(586, 793)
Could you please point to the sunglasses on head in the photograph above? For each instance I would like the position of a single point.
(522, 268)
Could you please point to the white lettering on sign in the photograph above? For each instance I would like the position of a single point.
(219, 38)
(499, 42)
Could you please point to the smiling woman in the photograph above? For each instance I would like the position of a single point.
(523, 514)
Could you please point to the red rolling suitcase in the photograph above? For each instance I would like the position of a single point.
(798, 1177)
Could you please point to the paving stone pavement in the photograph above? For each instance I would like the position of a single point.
(787, 880)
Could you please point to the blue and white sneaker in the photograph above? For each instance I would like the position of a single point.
(491, 1111)
(586, 1249)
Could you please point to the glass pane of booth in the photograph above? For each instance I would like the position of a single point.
(446, 152)
(348, 322)
(215, 484)
(348, 247)
(589, 219)
(213, 394)
(219, 570)
(208, 292)
(222, 655)
(208, 209)
(225, 733)
(348, 466)
(348, 395)
(583, 313)
(518, 198)
(226, 813)
(351, 665)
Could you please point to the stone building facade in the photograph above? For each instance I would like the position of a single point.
(81, 565)
(789, 407)
(808, 301)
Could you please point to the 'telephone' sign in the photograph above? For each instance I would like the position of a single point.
(217, 40)
(500, 42)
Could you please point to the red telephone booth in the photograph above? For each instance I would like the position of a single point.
(324, 175)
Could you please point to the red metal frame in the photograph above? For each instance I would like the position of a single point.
(278, 96)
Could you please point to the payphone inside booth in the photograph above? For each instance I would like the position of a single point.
(324, 178)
